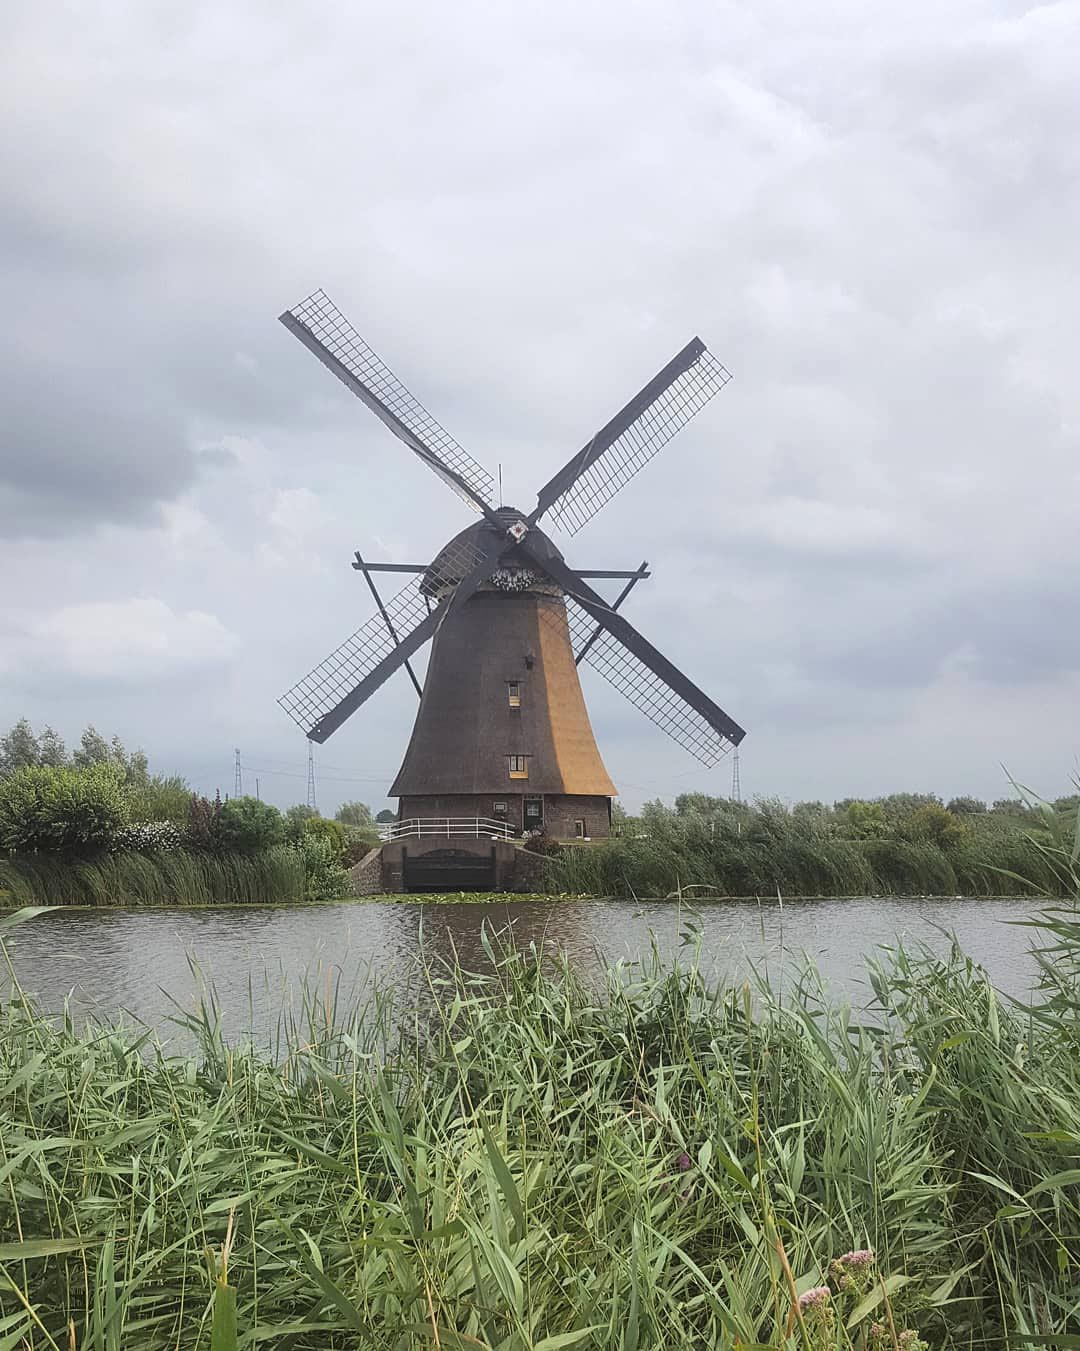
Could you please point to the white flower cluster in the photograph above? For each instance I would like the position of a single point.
(512, 579)
(148, 837)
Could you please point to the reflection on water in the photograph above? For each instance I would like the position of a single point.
(144, 962)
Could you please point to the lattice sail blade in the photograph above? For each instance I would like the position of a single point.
(383, 641)
(325, 331)
(647, 691)
(630, 440)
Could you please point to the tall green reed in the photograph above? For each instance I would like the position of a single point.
(168, 878)
(526, 1162)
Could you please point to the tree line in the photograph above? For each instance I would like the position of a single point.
(101, 801)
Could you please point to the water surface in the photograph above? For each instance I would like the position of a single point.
(144, 962)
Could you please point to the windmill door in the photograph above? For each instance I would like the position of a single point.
(534, 813)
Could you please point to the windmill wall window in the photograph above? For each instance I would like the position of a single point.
(579, 829)
(513, 693)
(519, 766)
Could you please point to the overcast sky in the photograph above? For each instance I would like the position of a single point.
(866, 548)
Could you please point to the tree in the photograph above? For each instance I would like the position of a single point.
(354, 814)
(61, 809)
(160, 797)
(247, 823)
(333, 832)
(1009, 806)
(966, 806)
(19, 749)
(93, 749)
(51, 748)
(899, 806)
(386, 817)
(866, 820)
(934, 824)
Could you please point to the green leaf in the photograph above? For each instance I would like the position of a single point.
(506, 1180)
(21, 916)
(1067, 1179)
(562, 1339)
(870, 1302)
(41, 1247)
(223, 1329)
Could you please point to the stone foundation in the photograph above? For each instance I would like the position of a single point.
(382, 871)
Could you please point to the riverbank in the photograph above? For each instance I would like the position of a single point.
(539, 1159)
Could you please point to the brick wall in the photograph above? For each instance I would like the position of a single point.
(560, 812)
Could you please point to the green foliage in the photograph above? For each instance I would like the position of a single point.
(296, 817)
(176, 877)
(160, 797)
(536, 1163)
(247, 823)
(43, 808)
(934, 824)
(21, 749)
(354, 814)
(202, 821)
(866, 820)
(967, 806)
(386, 817)
(325, 878)
(809, 850)
(333, 832)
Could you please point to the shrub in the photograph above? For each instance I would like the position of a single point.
(247, 823)
(202, 821)
(354, 814)
(59, 809)
(148, 837)
(967, 806)
(934, 825)
(324, 877)
(160, 797)
(317, 827)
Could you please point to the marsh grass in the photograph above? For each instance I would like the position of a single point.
(525, 1162)
(772, 850)
(175, 877)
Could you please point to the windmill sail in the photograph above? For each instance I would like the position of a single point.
(329, 692)
(647, 691)
(325, 331)
(633, 436)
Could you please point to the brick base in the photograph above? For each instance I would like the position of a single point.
(559, 813)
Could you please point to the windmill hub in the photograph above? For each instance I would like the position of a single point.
(502, 743)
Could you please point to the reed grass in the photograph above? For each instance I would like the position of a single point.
(525, 1162)
(175, 877)
(771, 851)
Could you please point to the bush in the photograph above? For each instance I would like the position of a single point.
(324, 877)
(62, 810)
(247, 823)
(162, 797)
(934, 825)
(148, 837)
(317, 827)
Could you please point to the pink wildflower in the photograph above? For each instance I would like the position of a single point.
(814, 1298)
(860, 1258)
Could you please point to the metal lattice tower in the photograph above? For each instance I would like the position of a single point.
(238, 778)
(736, 786)
(311, 777)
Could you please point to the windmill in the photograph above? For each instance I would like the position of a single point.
(502, 732)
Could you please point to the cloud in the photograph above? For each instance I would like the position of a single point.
(527, 212)
(126, 643)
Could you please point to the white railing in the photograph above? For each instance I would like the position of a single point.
(471, 827)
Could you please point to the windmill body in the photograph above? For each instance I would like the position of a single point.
(502, 742)
(503, 733)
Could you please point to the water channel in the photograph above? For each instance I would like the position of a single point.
(148, 964)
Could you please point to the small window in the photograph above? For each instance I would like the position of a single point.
(533, 806)
(500, 808)
(519, 766)
(513, 690)
(579, 829)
